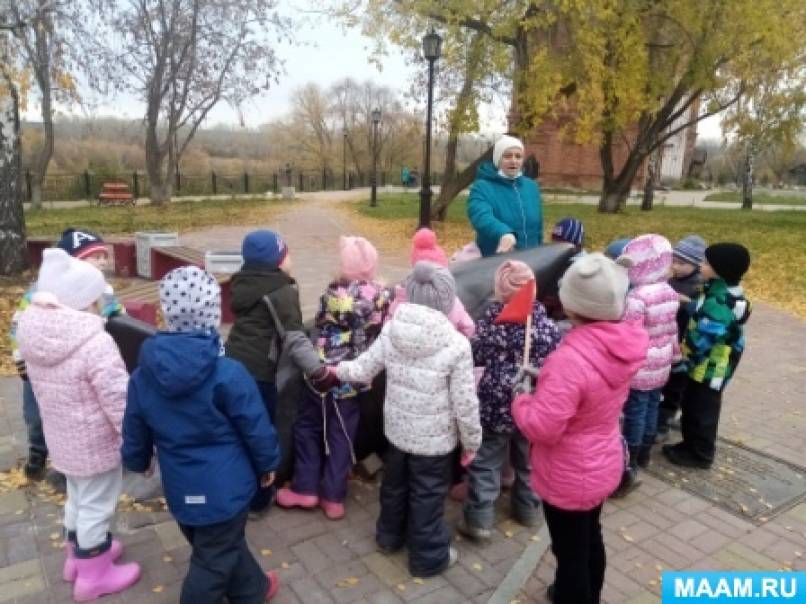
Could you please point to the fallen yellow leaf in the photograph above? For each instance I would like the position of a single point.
(628, 539)
(477, 567)
(285, 565)
(167, 558)
(266, 552)
(157, 589)
(401, 587)
(508, 534)
(534, 538)
(54, 536)
(418, 581)
(348, 582)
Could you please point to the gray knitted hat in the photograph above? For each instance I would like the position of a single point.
(431, 285)
(191, 300)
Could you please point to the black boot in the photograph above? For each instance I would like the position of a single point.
(629, 480)
(644, 452)
(36, 465)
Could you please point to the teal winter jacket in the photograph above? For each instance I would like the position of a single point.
(500, 205)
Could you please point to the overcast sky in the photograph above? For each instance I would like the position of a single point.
(326, 54)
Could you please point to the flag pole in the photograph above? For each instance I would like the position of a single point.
(527, 341)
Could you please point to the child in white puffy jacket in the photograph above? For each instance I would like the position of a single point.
(430, 407)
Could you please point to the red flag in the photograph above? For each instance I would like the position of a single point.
(519, 307)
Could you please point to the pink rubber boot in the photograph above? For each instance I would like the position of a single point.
(286, 498)
(334, 510)
(69, 571)
(99, 576)
(274, 584)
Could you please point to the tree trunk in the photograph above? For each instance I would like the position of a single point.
(45, 153)
(160, 181)
(747, 182)
(616, 187)
(13, 251)
(462, 180)
(649, 184)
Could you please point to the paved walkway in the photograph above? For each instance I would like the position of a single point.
(661, 526)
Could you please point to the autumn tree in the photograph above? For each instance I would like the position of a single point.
(48, 47)
(13, 251)
(621, 74)
(182, 58)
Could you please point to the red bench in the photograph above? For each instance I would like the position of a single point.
(115, 193)
(143, 299)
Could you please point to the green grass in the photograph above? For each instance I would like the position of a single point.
(175, 216)
(776, 239)
(759, 198)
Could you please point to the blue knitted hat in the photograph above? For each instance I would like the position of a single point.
(691, 249)
(80, 243)
(264, 247)
(570, 230)
(615, 248)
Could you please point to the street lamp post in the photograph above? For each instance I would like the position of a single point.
(432, 46)
(376, 119)
(344, 159)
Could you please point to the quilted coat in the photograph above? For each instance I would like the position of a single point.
(79, 380)
(572, 420)
(653, 302)
(431, 401)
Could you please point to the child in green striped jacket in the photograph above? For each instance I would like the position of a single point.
(712, 347)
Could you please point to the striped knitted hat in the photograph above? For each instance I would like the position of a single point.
(570, 230)
(691, 249)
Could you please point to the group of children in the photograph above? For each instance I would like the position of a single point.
(455, 389)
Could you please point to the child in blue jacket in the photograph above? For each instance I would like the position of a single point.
(214, 439)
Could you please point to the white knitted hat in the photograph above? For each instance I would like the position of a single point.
(595, 287)
(75, 283)
(502, 144)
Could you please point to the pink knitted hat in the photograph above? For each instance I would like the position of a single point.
(424, 248)
(648, 259)
(358, 259)
(510, 277)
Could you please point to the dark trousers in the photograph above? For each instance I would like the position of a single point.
(33, 421)
(412, 509)
(264, 497)
(576, 540)
(700, 419)
(670, 403)
(324, 433)
(221, 565)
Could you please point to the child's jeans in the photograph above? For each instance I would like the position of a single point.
(641, 417)
(576, 541)
(89, 508)
(484, 476)
(324, 433)
(412, 509)
(221, 565)
(33, 421)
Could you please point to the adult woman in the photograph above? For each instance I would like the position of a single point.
(504, 207)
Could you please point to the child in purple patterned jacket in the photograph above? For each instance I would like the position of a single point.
(499, 349)
(350, 317)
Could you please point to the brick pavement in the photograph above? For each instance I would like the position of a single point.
(658, 527)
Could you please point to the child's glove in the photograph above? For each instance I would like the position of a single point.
(324, 378)
(525, 380)
(468, 455)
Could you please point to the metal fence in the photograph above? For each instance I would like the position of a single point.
(88, 184)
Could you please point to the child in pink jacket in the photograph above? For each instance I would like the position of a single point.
(424, 247)
(652, 302)
(80, 381)
(572, 421)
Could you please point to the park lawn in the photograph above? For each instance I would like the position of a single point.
(777, 240)
(175, 216)
(793, 199)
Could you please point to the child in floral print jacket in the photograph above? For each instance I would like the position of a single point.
(499, 349)
(350, 317)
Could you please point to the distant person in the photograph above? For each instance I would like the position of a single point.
(505, 206)
(405, 177)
